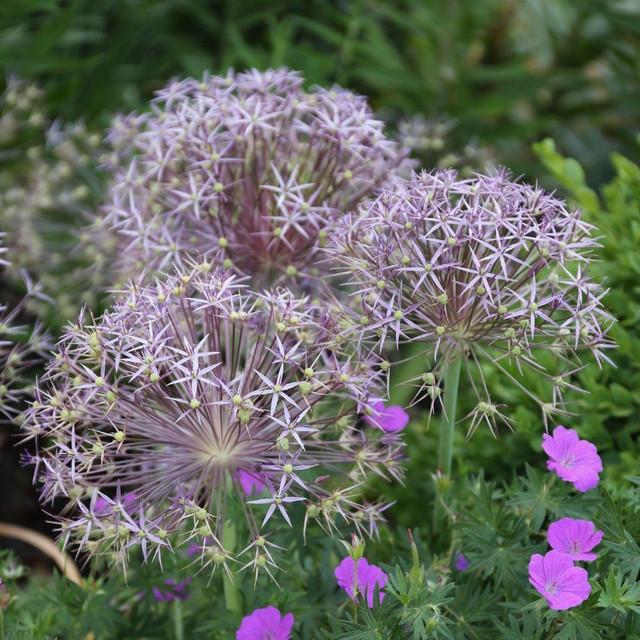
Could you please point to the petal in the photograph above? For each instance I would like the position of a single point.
(394, 419)
(556, 563)
(585, 480)
(286, 626)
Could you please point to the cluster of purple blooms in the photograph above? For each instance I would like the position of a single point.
(186, 392)
(357, 577)
(478, 268)
(249, 164)
(554, 575)
(213, 385)
(17, 354)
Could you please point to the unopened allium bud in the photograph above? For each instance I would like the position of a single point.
(230, 412)
(248, 165)
(476, 285)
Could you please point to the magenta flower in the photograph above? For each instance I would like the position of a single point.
(576, 538)
(390, 419)
(172, 590)
(461, 563)
(362, 580)
(574, 460)
(556, 578)
(251, 481)
(266, 624)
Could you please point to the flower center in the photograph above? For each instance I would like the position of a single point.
(574, 547)
(568, 461)
(551, 587)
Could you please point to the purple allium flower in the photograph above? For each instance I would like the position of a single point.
(129, 502)
(361, 579)
(266, 624)
(556, 578)
(49, 189)
(17, 355)
(390, 419)
(181, 386)
(461, 563)
(574, 537)
(172, 590)
(574, 460)
(479, 268)
(248, 164)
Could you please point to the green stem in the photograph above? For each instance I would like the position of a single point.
(447, 433)
(178, 626)
(448, 429)
(232, 596)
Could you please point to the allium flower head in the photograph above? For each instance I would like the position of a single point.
(180, 391)
(574, 460)
(266, 624)
(574, 537)
(49, 189)
(21, 348)
(555, 577)
(361, 579)
(475, 268)
(249, 164)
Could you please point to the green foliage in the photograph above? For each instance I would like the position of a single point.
(507, 72)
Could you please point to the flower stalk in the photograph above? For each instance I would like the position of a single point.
(447, 430)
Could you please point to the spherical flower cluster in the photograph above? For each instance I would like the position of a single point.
(149, 419)
(249, 165)
(476, 268)
(21, 348)
(49, 189)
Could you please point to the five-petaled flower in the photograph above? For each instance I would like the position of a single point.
(555, 577)
(266, 624)
(361, 578)
(573, 460)
(574, 537)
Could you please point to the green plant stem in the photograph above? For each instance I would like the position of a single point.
(447, 432)
(178, 625)
(232, 596)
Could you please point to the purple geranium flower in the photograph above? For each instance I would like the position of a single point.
(576, 538)
(172, 590)
(390, 419)
(266, 624)
(574, 460)
(251, 482)
(361, 580)
(461, 563)
(561, 583)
